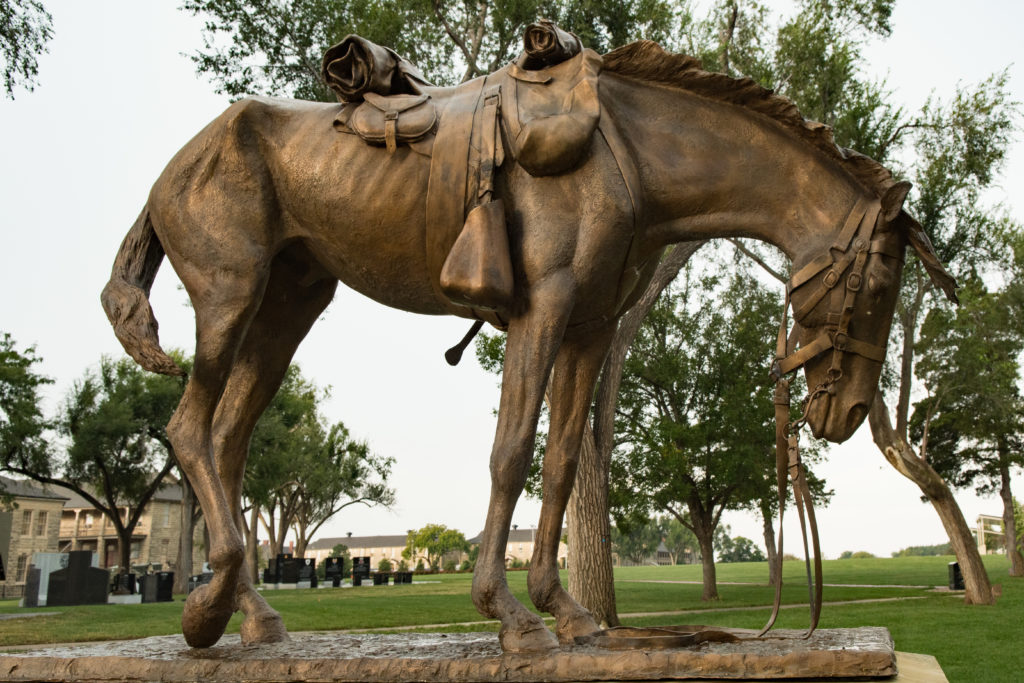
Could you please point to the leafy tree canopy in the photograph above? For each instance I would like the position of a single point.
(432, 542)
(275, 47)
(25, 28)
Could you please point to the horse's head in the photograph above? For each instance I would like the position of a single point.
(843, 304)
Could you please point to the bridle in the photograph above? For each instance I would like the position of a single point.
(850, 250)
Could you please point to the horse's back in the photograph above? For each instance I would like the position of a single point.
(271, 172)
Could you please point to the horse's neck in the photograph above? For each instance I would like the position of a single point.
(713, 169)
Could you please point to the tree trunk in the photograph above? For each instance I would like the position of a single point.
(1009, 520)
(183, 565)
(252, 543)
(770, 544)
(935, 489)
(591, 579)
(705, 538)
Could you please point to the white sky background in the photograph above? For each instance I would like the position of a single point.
(118, 99)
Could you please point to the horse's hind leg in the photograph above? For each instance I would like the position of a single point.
(225, 301)
(570, 394)
(286, 314)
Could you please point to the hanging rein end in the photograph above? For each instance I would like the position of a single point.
(454, 354)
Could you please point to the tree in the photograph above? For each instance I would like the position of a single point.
(335, 472)
(959, 148)
(275, 46)
(23, 444)
(432, 543)
(679, 540)
(696, 407)
(25, 28)
(738, 549)
(118, 452)
(637, 542)
(971, 423)
(302, 472)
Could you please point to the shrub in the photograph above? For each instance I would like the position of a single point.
(384, 565)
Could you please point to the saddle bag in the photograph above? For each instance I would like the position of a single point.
(390, 120)
(557, 111)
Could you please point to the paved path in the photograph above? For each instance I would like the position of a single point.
(754, 583)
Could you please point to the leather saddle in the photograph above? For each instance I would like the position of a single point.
(382, 94)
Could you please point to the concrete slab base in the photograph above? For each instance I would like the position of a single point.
(831, 654)
(135, 599)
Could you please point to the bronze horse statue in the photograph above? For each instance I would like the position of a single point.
(267, 208)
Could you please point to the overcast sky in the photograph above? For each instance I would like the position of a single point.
(118, 99)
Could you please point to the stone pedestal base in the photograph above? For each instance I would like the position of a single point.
(828, 655)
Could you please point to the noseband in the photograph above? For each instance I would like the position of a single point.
(849, 252)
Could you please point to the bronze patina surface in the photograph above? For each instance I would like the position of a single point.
(830, 654)
(269, 207)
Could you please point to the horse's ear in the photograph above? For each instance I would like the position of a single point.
(918, 239)
(893, 200)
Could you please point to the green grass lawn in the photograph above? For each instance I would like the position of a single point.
(971, 643)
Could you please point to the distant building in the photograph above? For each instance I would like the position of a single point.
(377, 548)
(519, 548)
(988, 532)
(31, 526)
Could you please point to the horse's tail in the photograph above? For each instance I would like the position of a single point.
(126, 297)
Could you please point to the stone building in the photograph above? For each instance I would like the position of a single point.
(54, 519)
(154, 539)
(29, 526)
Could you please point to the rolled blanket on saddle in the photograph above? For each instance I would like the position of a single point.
(356, 66)
(544, 44)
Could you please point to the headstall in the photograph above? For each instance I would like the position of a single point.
(848, 252)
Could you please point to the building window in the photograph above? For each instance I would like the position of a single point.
(136, 550)
(41, 523)
(26, 523)
(22, 568)
(165, 546)
(167, 515)
(88, 520)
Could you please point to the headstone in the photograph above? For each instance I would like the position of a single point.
(288, 570)
(381, 579)
(278, 563)
(123, 584)
(157, 587)
(956, 578)
(79, 583)
(269, 576)
(32, 581)
(403, 577)
(360, 567)
(307, 572)
(46, 563)
(334, 569)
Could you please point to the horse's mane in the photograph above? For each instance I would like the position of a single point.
(647, 61)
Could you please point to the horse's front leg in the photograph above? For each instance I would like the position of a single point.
(533, 341)
(570, 394)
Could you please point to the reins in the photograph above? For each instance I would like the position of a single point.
(849, 251)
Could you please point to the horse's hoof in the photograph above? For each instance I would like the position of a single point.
(202, 622)
(263, 627)
(530, 640)
(575, 625)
